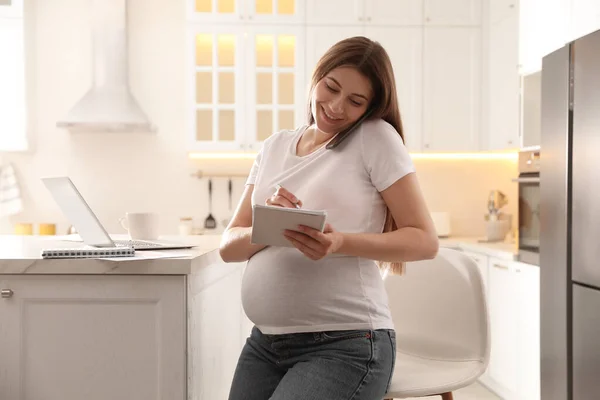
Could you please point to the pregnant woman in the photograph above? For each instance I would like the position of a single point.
(323, 328)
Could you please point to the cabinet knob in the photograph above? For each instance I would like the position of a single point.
(6, 293)
(426, 145)
(360, 18)
(368, 18)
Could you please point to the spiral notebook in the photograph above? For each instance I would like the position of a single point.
(269, 222)
(89, 252)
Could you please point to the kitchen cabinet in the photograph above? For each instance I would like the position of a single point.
(513, 298)
(452, 13)
(93, 337)
(452, 80)
(219, 328)
(246, 83)
(503, 99)
(543, 28)
(404, 46)
(456, 92)
(584, 18)
(11, 9)
(255, 12)
(364, 12)
(503, 305)
(529, 379)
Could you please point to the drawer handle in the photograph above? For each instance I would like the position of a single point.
(6, 293)
(500, 266)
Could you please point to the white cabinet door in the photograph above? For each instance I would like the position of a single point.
(503, 74)
(404, 46)
(335, 12)
(500, 9)
(451, 89)
(528, 350)
(452, 12)
(93, 337)
(215, 329)
(394, 12)
(218, 328)
(543, 28)
(584, 18)
(504, 305)
(320, 39)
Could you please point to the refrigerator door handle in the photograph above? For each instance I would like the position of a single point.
(527, 180)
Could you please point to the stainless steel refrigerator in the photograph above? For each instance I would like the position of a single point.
(570, 222)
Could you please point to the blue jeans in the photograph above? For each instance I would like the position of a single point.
(333, 365)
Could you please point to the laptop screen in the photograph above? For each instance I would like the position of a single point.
(78, 212)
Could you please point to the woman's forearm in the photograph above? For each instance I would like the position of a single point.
(404, 244)
(235, 245)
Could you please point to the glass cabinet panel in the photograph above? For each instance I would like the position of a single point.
(275, 7)
(204, 6)
(204, 50)
(264, 124)
(286, 49)
(286, 7)
(223, 7)
(204, 125)
(226, 87)
(227, 125)
(226, 6)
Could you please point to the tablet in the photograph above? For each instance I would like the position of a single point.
(269, 222)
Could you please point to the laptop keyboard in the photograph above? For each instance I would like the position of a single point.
(137, 244)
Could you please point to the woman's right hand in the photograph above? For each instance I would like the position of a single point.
(284, 198)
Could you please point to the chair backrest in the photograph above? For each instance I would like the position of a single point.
(439, 308)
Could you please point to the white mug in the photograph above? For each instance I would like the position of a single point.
(141, 226)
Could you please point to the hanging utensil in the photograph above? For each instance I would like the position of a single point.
(230, 188)
(210, 222)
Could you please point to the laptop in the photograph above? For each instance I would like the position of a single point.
(79, 213)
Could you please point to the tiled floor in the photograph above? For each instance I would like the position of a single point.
(474, 392)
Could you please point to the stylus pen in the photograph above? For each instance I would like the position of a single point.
(278, 186)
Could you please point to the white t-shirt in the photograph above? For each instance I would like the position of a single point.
(283, 291)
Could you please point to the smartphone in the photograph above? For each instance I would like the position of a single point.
(339, 138)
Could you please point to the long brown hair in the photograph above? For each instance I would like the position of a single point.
(371, 60)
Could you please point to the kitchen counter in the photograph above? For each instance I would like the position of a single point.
(502, 250)
(22, 255)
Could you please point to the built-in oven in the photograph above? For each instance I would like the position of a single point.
(529, 206)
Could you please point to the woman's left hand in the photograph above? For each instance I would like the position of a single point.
(313, 243)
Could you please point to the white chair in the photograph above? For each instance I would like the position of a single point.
(442, 330)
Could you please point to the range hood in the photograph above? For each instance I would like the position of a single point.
(108, 106)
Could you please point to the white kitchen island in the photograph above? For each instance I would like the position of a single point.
(72, 329)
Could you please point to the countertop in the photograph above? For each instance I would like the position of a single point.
(503, 250)
(22, 255)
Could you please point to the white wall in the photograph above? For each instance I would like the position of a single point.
(137, 172)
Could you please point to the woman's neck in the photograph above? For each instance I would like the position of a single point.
(312, 139)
